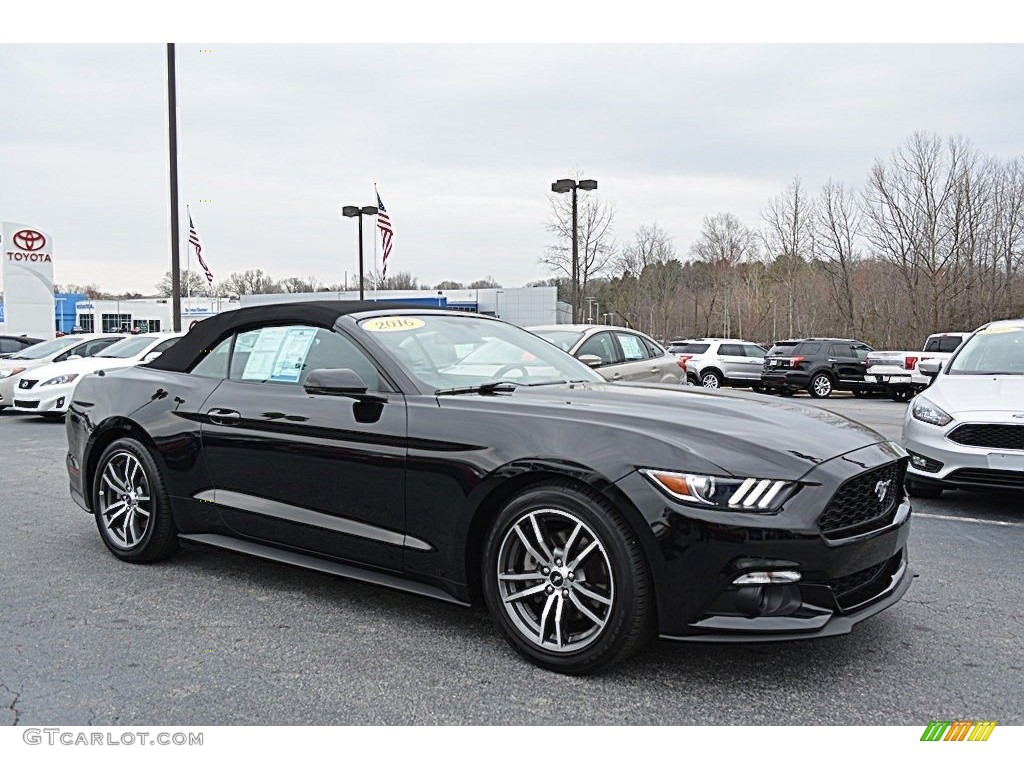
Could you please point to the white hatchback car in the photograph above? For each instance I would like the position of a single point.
(47, 391)
(967, 429)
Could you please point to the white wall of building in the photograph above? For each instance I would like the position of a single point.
(102, 315)
(521, 306)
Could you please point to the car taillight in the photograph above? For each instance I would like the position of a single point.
(795, 361)
(909, 363)
(683, 360)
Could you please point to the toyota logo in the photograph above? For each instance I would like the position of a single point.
(882, 490)
(29, 240)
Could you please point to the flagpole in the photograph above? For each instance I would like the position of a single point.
(188, 260)
(172, 135)
(376, 267)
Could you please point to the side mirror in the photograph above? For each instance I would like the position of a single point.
(73, 357)
(151, 356)
(930, 368)
(340, 382)
(592, 360)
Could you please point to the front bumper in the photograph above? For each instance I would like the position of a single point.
(842, 580)
(51, 400)
(937, 460)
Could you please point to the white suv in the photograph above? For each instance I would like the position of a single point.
(714, 363)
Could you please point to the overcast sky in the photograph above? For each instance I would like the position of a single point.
(463, 141)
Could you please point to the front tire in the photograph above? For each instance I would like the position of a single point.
(565, 580)
(131, 506)
(820, 386)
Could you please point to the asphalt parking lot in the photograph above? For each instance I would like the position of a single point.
(217, 638)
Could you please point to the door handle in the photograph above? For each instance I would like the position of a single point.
(832, 360)
(223, 416)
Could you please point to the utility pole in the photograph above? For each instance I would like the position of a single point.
(172, 125)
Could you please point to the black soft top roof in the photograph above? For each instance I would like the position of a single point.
(210, 332)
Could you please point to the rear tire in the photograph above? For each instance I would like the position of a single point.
(711, 380)
(131, 506)
(594, 606)
(820, 386)
(920, 490)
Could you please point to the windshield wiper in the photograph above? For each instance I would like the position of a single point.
(487, 388)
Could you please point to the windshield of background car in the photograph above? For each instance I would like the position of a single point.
(47, 348)
(782, 349)
(998, 349)
(688, 349)
(564, 340)
(454, 351)
(129, 347)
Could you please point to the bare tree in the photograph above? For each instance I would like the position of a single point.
(789, 239)
(723, 243)
(249, 282)
(837, 225)
(301, 285)
(487, 282)
(595, 235)
(448, 285)
(398, 281)
(192, 284)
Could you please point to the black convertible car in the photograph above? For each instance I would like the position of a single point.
(462, 458)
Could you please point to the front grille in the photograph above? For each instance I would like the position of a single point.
(26, 403)
(990, 435)
(857, 507)
(859, 587)
(991, 478)
(27, 383)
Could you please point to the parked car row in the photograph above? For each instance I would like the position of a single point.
(41, 379)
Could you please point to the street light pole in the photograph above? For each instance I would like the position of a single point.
(172, 133)
(354, 211)
(571, 185)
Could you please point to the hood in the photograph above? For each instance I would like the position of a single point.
(984, 393)
(738, 432)
(9, 365)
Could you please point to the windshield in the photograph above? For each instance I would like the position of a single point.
(564, 340)
(47, 348)
(445, 351)
(129, 347)
(996, 350)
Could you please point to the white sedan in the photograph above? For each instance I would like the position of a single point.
(54, 351)
(967, 429)
(47, 391)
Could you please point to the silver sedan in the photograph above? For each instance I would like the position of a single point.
(618, 354)
(967, 429)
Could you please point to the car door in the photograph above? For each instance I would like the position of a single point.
(665, 365)
(636, 362)
(316, 472)
(753, 361)
(603, 346)
(732, 361)
(845, 362)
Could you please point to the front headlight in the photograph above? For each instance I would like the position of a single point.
(65, 378)
(928, 412)
(8, 372)
(750, 494)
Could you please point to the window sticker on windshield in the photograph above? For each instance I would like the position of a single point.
(1003, 329)
(387, 324)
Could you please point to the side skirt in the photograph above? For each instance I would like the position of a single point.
(319, 564)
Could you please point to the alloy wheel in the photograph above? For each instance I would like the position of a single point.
(822, 386)
(125, 502)
(555, 580)
(710, 381)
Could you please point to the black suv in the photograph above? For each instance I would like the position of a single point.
(819, 366)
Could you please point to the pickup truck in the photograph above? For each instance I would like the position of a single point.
(897, 371)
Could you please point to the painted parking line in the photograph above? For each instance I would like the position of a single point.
(966, 519)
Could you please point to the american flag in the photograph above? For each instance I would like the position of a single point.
(386, 233)
(193, 240)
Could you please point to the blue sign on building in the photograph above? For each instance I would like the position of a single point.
(63, 310)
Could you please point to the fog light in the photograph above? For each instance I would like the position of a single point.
(767, 577)
(924, 463)
(60, 402)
